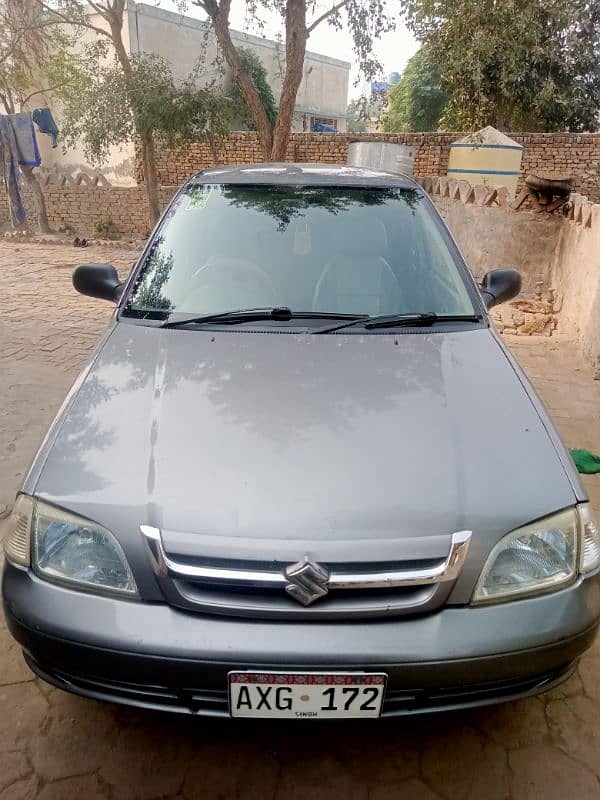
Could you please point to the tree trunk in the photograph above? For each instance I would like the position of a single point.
(115, 20)
(39, 202)
(117, 40)
(150, 178)
(296, 36)
(214, 149)
(219, 14)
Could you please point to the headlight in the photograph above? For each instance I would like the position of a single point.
(67, 548)
(537, 558)
(71, 549)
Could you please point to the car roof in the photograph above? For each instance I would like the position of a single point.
(305, 175)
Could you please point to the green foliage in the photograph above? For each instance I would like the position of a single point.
(149, 296)
(516, 64)
(358, 115)
(106, 229)
(104, 108)
(286, 203)
(29, 39)
(417, 102)
(259, 77)
(96, 107)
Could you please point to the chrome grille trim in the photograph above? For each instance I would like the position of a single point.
(334, 607)
(447, 570)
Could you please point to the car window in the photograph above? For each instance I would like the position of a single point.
(310, 248)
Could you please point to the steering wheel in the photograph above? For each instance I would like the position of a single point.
(226, 282)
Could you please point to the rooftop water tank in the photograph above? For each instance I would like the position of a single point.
(487, 157)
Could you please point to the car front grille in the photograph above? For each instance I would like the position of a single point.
(306, 591)
(214, 702)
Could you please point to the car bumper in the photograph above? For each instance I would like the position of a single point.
(156, 656)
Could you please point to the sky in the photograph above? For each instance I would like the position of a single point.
(393, 50)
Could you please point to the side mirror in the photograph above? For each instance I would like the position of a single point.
(98, 280)
(500, 285)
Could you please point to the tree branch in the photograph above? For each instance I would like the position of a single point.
(209, 7)
(102, 10)
(43, 91)
(326, 14)
(75, 22)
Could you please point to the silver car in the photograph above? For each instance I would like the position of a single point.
(301, 475)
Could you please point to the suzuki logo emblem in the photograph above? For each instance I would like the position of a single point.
(307, 581)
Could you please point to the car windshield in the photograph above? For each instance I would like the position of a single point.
(338, 250)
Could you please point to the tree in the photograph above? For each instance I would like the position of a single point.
(109, 26)
(366, 20)
(515, 64)
(142, 93)
(258, 73)
(29, 40)
(103, 107)
(417, 102)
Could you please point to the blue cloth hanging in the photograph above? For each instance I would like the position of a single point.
(27, 146)
(9, 164)
(45, 122)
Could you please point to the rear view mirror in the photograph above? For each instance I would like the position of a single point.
(500, 285)
(98, 280)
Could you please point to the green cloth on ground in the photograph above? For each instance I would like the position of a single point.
(586, 462)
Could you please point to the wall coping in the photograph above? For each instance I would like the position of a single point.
(579, 209)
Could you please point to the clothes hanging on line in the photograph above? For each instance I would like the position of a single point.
(9, 155)
(45, 122)
(27, 146)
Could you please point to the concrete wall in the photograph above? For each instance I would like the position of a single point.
(575, 273)
(491, 237)
(561, 250)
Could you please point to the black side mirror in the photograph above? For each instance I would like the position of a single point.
(500, 285)
(98, 280)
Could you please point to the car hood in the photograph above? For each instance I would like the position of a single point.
(270, 445)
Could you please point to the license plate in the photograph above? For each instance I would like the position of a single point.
(306, 695)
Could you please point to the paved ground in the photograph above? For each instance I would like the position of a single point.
(54, 746)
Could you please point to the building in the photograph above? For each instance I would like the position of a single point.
(321, 103)
(323, 94)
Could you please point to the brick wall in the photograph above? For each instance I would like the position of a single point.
(83, 207)
(176, 165)
(573, 154)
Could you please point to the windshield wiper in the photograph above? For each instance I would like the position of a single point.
(402, 320)
(256, 314)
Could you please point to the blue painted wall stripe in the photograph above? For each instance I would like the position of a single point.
(483, 172)
(490, 146)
